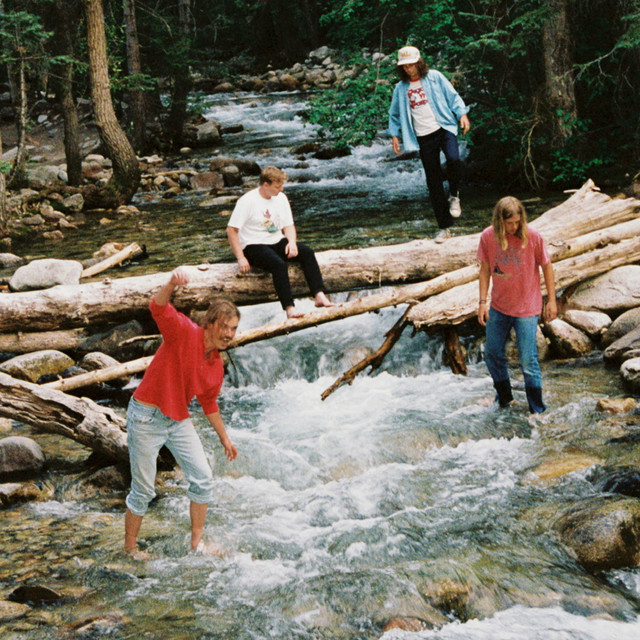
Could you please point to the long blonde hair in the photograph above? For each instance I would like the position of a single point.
(506, 208)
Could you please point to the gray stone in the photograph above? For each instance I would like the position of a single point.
(20, 455)
(603, 533)
(12, 610)
(615, 291)
(45, 273)
(207, 180)
(110, 342)
(208, 134)
(32, 366)
(97, 360)
(74, 203)
(231, 175)
(616, 351)
(10, 260)
(567, 341)
(630, 372)
(593, 323)
(39, 176)
(623, 324)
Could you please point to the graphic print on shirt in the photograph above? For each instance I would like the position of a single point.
(417, 97)
(271, 224)
(508, 263)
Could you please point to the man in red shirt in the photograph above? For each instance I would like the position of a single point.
(187, 364)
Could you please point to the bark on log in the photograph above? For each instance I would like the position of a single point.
(461, 303)
(129, 251)
(80, 419)
(20, 342)
(125, 298)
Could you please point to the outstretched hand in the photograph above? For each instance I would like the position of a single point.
(179, 277)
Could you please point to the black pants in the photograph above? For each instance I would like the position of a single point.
(272, 258)
(430, 147)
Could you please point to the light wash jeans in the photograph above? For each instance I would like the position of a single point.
(148, 429)
(499, 326)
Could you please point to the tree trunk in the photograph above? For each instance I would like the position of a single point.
(558, 66)
(181, 77)
(16, 176)
(66, 17)
(126, 171)
(138, 122)
(80, 419)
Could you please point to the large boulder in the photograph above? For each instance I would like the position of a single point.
(593, 323)
(567, 341)
(623, 324)
(32, 366)
(617, 351)
(20, 456)
(603, 533)
(630, 372)
(615, 291)
(208, 134)
(45, 273)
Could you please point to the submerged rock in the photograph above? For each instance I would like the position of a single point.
(602, 533)
(20, 455)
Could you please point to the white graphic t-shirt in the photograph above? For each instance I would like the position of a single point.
(260, 220)
(424, 122)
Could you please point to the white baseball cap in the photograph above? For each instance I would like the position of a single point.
(408, 55)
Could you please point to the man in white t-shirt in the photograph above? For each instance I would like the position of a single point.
(262, 234)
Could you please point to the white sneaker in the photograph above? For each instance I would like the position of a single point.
(454, 206)
(442, 235)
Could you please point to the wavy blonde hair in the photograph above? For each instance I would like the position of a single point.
(506, 208)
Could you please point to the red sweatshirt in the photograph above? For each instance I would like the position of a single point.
(179, 369)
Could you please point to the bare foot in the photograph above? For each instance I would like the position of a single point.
(322, 300)
(138, 554)
(292, 312)
(209, 549)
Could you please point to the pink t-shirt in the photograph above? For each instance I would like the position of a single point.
(515, 272)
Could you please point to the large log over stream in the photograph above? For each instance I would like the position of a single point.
(80, 419)
(115, 300)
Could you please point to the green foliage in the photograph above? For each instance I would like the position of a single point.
(353, 112)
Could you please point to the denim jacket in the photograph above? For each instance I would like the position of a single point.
(447, 106)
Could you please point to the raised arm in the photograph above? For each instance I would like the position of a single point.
(178, 278)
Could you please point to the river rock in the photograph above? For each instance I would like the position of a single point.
(618, 350)
(207, 134)
(624, 481)
(12, 493)
(98, 360)
(615, 291)
(32, 366)
(74, 203)
(10, 260)
(623, 324)
(231, 175)
(42, 175)
(567, 341)
(616, 405)
(45, 273)
(110, 341)
(603, 533)
(12, 610)
(630, 371)
(35, 594)
(49, 213)
(207, 180)
(593, 323)
(20, 455)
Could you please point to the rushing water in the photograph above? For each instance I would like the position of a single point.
(400, 495)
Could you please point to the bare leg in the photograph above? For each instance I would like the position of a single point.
(198, 513)
(322, 300)
(132, 524)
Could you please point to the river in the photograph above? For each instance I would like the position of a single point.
(400, 495)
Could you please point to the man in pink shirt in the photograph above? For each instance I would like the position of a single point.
(511, 255)
(187, 364)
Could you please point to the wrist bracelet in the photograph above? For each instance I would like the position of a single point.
(483, 300)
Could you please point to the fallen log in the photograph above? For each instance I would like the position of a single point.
(129, 251)
(114, 300)
(20, 342)
(81, 419)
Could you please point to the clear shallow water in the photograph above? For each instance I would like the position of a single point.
(342, 514)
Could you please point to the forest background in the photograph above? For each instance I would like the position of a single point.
(553, 85)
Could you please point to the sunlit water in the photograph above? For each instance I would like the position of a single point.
(338, 515)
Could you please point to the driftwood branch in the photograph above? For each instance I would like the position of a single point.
(129, 251)
(374, 360)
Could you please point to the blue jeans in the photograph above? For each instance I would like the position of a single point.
(430, 147)
(499, 326)
(148, 429)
